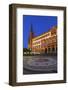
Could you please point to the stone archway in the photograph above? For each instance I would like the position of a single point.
(53, 49)
(49, 49)
(56, 49)
(45, 50)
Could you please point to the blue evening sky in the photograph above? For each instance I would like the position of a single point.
(40, 24)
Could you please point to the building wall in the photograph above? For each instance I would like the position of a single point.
(45, 43)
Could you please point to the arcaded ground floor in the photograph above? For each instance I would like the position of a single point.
(39, 64)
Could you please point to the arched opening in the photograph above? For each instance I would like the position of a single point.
(49, 50)
(56, 50)
(53, 49)
(45, 50)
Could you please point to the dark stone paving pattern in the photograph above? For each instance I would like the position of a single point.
(39, 64)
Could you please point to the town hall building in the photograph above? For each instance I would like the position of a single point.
(44, 43)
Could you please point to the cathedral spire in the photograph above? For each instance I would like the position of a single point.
(31, 28)
(31, 36)
(31, 31)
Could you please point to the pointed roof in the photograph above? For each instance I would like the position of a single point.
(31, 28)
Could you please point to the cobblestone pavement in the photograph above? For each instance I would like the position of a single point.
(39, 64)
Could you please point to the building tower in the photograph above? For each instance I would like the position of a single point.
(31, 36)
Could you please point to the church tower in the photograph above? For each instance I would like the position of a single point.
(31, 36)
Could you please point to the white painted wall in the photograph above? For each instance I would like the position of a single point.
(4, 47)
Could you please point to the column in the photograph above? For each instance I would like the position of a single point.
(47, 50)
